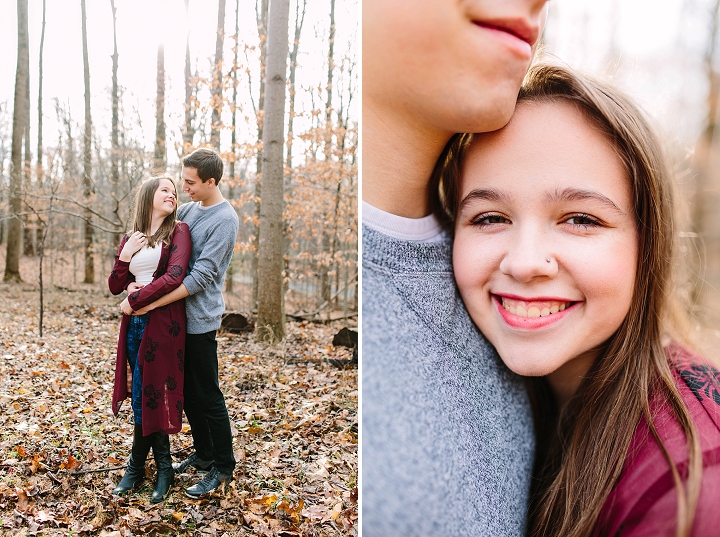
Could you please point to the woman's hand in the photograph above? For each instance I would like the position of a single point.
(134, 286)
(125, 307)
(135, 241)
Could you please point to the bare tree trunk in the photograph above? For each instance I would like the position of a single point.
(299, 20)
(261, 14)
(328, 230)
(271, 316)
(45, 226)
(20, 113)
(39, 166)
(29, 230)
(39, 229)
(189, 132)
(217, 84)
(331, 68)
(114, 134)
(87, 160)
(160, 155)
(234, 76)
(233, 136)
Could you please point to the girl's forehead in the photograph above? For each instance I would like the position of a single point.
(548, 146)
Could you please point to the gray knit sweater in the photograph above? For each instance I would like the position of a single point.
(213, 231)
(447, 437)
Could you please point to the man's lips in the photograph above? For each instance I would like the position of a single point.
(516, 27)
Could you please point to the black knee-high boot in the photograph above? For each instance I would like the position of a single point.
(135, 472)
(165, 472)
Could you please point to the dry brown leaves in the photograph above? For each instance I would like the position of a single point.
(294, 420)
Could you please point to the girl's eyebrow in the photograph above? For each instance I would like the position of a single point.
(486, 194)
(568, 194)
(575, 194)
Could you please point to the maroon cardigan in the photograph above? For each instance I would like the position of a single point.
(644, 501)
(162, 351)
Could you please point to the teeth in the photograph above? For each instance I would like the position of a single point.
(533, 310)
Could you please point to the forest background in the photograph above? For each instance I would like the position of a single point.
(187, 74)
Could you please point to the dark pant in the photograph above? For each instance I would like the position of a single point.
(204, 402)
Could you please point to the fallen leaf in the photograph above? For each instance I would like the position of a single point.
(71, 463)
(336, 511)
(22, 499)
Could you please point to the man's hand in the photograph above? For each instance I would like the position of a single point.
(134, 286)
(143, 311)
(125, 307)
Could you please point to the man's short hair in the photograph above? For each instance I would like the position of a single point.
(207, 162)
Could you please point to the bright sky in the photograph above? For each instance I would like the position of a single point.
(653, 48)
(141, 25)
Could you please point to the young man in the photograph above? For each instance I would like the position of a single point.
(447, 435)
(213, 228)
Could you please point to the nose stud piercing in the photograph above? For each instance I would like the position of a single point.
(547, 259)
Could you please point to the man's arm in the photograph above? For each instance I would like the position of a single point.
(219, 244)
(176, 294)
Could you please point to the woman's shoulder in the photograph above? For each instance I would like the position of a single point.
(181, 228)
(697, 376)
(644, 500)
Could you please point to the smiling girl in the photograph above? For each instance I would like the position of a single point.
(563, 254)
(151, 262)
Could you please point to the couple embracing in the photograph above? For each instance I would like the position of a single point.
(173, 266)
(525, 363)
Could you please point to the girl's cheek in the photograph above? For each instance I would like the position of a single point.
(464, 258)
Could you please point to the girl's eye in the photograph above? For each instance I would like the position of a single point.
(488, 220)
(582, 220)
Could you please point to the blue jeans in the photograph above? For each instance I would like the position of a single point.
(134, 337)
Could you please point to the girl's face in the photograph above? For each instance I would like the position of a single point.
(545, 247)
(165, 198)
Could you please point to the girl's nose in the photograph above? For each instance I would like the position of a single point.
(529, 256)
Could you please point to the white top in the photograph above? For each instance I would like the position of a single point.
(144, 263)
(426, 229)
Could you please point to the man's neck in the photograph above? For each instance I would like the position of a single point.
(214, 198)
(398, 158)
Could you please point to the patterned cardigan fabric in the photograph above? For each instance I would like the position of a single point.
(644, 501)
(162, 351)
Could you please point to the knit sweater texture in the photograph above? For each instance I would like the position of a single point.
(447, 434)
(213, 231)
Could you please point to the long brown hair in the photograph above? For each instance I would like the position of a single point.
(581, 449)
(142, 213)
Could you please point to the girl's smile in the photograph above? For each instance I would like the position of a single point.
(532, 314)
(545, 248)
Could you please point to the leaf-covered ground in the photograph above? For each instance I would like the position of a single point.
(294, 418)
